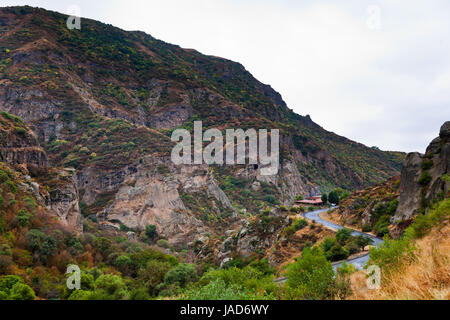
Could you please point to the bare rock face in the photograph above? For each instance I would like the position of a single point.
(151, 194)
(18, 144)
(63, 201)
(422, 178)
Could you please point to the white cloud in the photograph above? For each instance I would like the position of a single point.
(387, 87)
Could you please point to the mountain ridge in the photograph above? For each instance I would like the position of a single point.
(105, 101)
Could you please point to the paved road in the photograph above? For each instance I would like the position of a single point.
(359, 262)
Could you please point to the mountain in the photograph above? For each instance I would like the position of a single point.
(105, 101)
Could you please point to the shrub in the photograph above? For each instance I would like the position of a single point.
(14, 288)
(150, 231)
(333, 197)
(352, 247)
(3, 176)
(271, 199)
(328, 243)
(283, 208)
(152, 275)
(391, 253)
(23, 217)
(123, 263)
(294, 210)
(381, 228)
(366, 228)
(163, 243)
(300, 224)
(219, 290)
(424, 223)
(21, 291)
(312, 276)
(181, 275)
(20, 130)
(337, 253)
(109, 287)
(427, 164)
(343, 235)
(425, 179)
(324, 198)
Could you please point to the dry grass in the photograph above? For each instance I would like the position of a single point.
(427, 278)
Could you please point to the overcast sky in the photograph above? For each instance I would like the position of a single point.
(377, 72)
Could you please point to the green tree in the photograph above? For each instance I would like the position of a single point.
(150, 231)
(333, 197)
(153, 275)
(324, 198)
(14, 288)
(181, 275)
(343, 235)
(312, 276)
(109, 287)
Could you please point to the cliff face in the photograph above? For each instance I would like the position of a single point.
(19, 147)
(424, 178)
(18, 144)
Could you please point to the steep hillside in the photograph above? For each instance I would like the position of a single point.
(393, 205)
(105, 101)
(415, 267)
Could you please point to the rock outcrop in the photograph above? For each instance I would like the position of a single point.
(424, 178)
(18, 144)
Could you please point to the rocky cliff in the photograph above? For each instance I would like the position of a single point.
(391, 206)
(55, 189)
(424, 178)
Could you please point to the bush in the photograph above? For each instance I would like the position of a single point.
(21, 131)
(23, 217)
(181, 275)
(219, 290)
(337, 253)
(294, 210)
(391, 253)
(312, 276)
(333, 197)
(425, 179)
(366, 228)
(271, 199)
(152, 275)
(109, 287)
(14, 288)
(424, 223)
(300, 224)
(381, 228)
(3, 176)
(427, 164)
(343, 235)
(150, 231)
(163, 243)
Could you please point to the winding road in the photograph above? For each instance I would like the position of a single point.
(358, 262)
